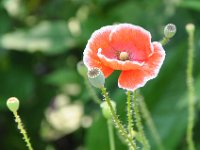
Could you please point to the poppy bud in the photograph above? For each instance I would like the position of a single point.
(106, 110)
(96, 77)
(190, 27)
(169, 30)
(81, 68)
(13, 104)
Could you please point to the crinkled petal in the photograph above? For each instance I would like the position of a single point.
(153, 64)
(132, 39)
(118, 64)
(131, 80)
(99, 38)
(91, 61)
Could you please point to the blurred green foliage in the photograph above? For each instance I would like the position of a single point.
(41, 42)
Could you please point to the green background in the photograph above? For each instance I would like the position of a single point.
(41, 42)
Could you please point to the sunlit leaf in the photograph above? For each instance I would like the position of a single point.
(192, 4)
(47, 37)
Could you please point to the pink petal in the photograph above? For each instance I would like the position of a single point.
(98, 39)
(131, 80)
(153, 64)
(116, 64)
(132, 39)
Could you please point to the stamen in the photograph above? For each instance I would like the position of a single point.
(123, 56)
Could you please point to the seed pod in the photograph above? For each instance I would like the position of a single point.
(96, 77)
(13, 104)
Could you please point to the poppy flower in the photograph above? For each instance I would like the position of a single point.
(128, 48)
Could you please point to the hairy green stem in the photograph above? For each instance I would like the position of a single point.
(22, 131)
(117, 122)
(144, 140)
(129, 114)
(190, 86)
(150, 123)
(111, 134)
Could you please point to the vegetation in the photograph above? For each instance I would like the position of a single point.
(41, 42)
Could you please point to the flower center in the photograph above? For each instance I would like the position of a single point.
(123, 56)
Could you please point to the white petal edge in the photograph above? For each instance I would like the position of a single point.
(146, 79)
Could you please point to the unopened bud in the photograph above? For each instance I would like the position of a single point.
(13, 104)
(82, 69)
(106, 110)
(190, 27)
(96, 77)
(169, 30)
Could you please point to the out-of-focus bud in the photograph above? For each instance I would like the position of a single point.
(190, 27)
(96, 77)
(169, 30)
(82, 69)
(106, 110)
(13, 104)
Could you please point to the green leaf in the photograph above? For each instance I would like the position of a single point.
(62, 76)
(194, 4)
(98, 134)
(47, 37)
(15, 82)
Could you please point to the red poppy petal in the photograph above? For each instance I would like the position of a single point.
(92, 61)
(131, 80)
(99, 38)
(155, 61)
(118, 64)
(133, 39)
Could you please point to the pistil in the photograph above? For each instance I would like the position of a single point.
(123, 56)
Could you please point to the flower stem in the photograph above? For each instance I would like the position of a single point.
(22, 130)
(150, 123)
(92, 92)
(111, 134)
(117, 122)
(164, 41)
(144, 140)
(129, 114)
(190, 86)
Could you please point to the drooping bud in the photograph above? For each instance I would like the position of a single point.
(13, 104)
(106, 110)
(96, 77)
(82, 69)
(169, 30)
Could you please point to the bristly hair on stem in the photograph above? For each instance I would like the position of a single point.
(139, 125)
(22, 131)
(117, 122)
(149, 121)
(130, 114)
(13, 106)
